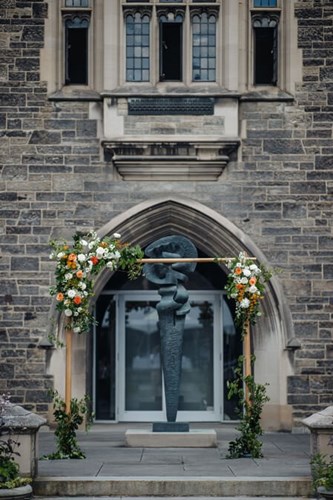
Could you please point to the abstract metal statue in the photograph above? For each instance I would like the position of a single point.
(172, 309)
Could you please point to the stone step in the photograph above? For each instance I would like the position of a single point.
(172, 486)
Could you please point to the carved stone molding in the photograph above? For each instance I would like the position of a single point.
(170, 160)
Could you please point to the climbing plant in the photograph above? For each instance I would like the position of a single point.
(246, 285)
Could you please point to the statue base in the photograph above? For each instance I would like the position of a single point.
(171, 427)
(196, 438)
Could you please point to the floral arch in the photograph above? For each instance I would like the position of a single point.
(217, 236)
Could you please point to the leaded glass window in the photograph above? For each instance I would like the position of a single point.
(77, 3)
(137, 47)
(264, 3)
(204, 47)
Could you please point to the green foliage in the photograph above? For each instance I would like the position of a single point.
(67, 425)
(322, 471)
(247, 444)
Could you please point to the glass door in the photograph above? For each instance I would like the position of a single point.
(140, 382)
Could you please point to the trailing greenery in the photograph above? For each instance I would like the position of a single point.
(247, 444)
(322, 471)
(9, 469)
(67, 425)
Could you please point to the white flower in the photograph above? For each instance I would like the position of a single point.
(100, 251)
(116, 236)
(68, 276)
(114, 255)
(91, 245)
(253, 267)
(71, 293)
(234, 295)
(253, 289)
(110, 265)
(51, 256)
(244, 281)
(82, 285)
(60, 255)
(246, 272)
(76, 313)
(68, 313)
(81, 257)
(79, 309)
(77, 329)
(244, 303)
(84, 243)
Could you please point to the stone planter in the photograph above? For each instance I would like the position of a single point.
(320, 425)
(20, 493)
(23, 426)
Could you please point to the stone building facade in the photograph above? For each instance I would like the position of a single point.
(235, 159)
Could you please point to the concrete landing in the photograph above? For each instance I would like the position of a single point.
(113, 469)
(196, 438)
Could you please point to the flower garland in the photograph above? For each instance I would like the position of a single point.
(77, 264)
(246, 285)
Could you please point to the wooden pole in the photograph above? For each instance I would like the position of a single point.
(186, 259)
(247, 359)
(68, 373)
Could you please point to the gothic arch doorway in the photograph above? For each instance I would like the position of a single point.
(213, 235)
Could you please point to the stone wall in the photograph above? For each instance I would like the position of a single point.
(55, 181)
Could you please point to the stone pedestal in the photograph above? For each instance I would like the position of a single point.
(23, 426)
(321, 428)
(197, 438)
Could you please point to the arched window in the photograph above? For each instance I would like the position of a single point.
(204, 47)
(76, 49)
(265, 28)
(137, 47)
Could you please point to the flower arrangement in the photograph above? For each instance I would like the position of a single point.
(246, 285)
(76, 266)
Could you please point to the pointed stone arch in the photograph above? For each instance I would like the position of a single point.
(211, 232)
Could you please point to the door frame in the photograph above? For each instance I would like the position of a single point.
(216, 297)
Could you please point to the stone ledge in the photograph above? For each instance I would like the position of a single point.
(173, 487)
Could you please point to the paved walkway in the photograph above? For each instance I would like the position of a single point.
(112, 468)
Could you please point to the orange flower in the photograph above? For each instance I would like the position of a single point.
(239, 286)
(72, 257)
(79, 274)
(71, 264)
(60, 297)
(252, 281)
(103, 244)
(238, 270)
(119, 244)
(77, 300)
(94, 260)
(65, 247)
